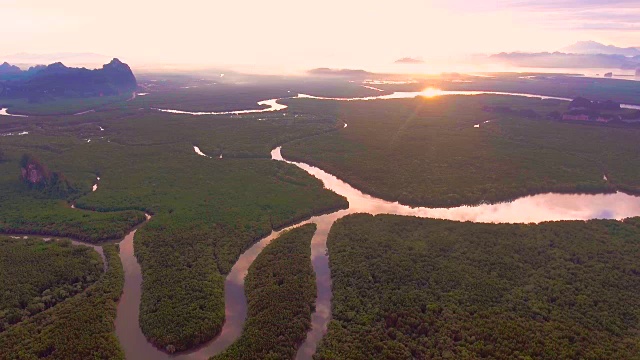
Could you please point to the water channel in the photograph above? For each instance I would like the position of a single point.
(530, 209)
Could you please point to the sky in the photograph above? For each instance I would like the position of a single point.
(294, 34)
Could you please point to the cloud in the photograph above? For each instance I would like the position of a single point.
(609, 26)
(408, 60)
(611, 15)
(570, 4)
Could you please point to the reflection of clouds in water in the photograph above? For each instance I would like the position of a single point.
(14, 134)
(272, 105)
(529, 209)
(199, 152)
(4, 112)
(544, 207)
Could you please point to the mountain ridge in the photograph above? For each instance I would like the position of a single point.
(70, 58)
(567, 60)
(590, 47)
(58, 80)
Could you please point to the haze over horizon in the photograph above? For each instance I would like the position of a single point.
(319, 180)
(287, 36)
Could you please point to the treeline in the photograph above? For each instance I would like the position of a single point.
(78, 328)
(36, 275)
(420, 288)
(75, 223)
(506, 110)
(281, 293)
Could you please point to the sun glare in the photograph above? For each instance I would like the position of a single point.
(430, 92)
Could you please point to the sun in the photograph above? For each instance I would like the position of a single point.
(430, 92)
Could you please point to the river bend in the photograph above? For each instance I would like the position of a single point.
(529, 209)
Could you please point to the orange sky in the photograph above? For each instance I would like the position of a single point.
(293, 34)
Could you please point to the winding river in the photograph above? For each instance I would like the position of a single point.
(273, 105)
(530, 209)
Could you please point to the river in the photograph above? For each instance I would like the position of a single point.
(530, 209)
(273, 105)
(4, 112)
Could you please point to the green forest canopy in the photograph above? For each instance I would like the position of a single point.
(36, 275)
(207, 211)
(77, 329)
(406, 287)
(440, 159)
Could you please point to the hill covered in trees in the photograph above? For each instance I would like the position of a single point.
(37, 176)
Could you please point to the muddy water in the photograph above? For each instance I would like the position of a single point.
(235, 302)
(320, 261)
(133, 342)
(127, 324)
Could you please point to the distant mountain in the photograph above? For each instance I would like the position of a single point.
(70, 58)
(564, 60)
(592, 48)
(7, 69)
(339, 72)
(57, 80)
(408, 60)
